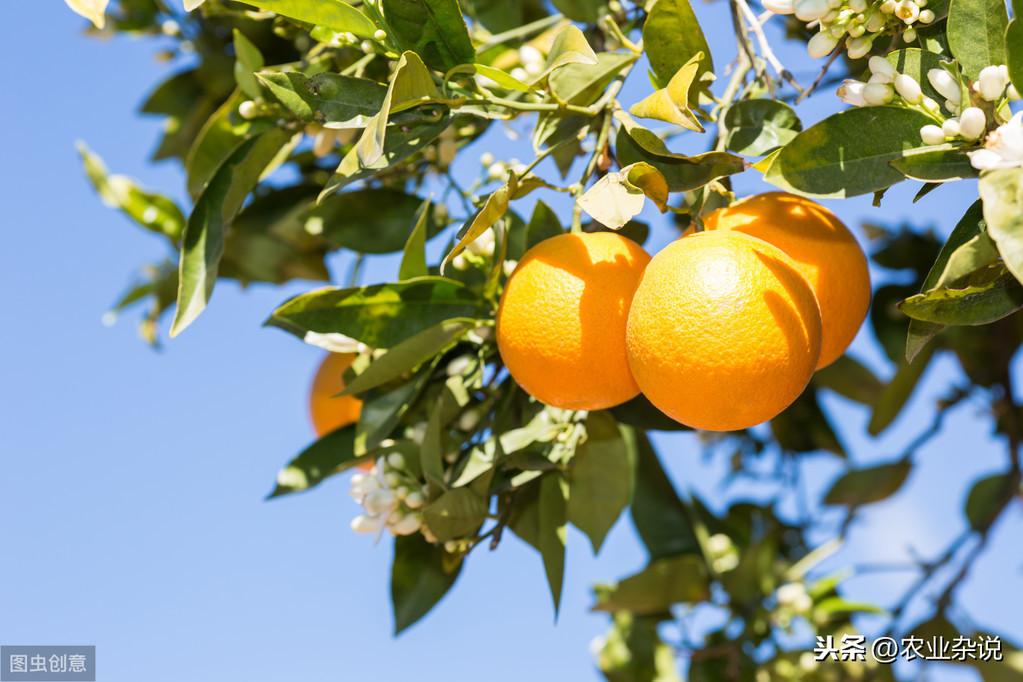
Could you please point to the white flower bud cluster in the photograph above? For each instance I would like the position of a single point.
(859, 22)
(723, 554)
(349, 39)
(391, 498)
(794, 598)
(532, 61)
(885, 86)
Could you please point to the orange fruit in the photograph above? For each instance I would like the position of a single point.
(561, 322)
(328, 412)
(823, 249)
(724, 332)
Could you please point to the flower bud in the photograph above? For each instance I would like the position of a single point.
(392, 480)
(950, 127)
(856, 30)
(486, 159)
(468, 420)
(407, 526)
(926, 17)
(880, 78)
(908, 88)
(810, 10)
(459, 263)
(858, 48)
(780, 6)
(482, 245)
(875, 22)
(414, 500)
(879, 65)
(942, 81)
(380, 35)
(876, 94)
(888, 6)
(248, 109)
(395, 460)
(932, 134)
(972, 123)
(909, 35)
(821, 45)
(930, 105)
(851, 92)
(858, 5)
(367, 47)
(367, 524)
(991, 83)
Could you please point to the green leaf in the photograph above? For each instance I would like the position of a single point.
(583, 84)
(663, 583)
(493, 210)
(935, 164)
(850, 378)
(434, 29)
(326, 97)
(400, 142)
(569, 47)
(968, 227)
(331, 454)
(898, 391)
(1002, 194)
(585, 11)
(976, 30)
(835, 159)
(381, 315)
(1014, 50)
(552, 532)
(633, 651)
(976, 304)
(248, 60)
(759, 126)
(987, 497)
(202, 243)
(420, 577)
(661, 518)
(682, 173)
(671, 103)
(382, 412)
(600, 478)
(333, 14)
(502, 78)
(221, 136)
(408, 355)
(864, 486)
(377, 220)
(672, 36)
(413, 259)
(149, 210)
(543, 224)
(457, 513)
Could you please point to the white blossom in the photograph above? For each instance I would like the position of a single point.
(1003, 147)
(851, 92)
(368, 524)
(407, 525)
(950, 127)
(881, 66)
(810, 10)
(821, 45)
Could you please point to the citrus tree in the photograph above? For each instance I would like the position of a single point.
(509, 384)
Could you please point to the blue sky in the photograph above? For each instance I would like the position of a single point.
(132, 481)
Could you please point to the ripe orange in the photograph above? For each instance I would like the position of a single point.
(561, 323)
(824, 250)
(328, 412)
(724, 333)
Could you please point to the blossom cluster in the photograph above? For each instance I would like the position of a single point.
(858, 22)
(969, 116)
(391, 497)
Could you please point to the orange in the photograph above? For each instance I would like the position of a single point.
(724, 333)
(824, 250)
(561, 323)
(328, 412)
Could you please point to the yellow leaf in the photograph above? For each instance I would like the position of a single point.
(93, 10)
(570, 47)
(649, 181)
(671, 104)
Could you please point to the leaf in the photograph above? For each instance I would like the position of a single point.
(381, 315)
(661, 518)
(193, 4)
(149, 210)
(759, 126)
(1002, 194)
(373, 221)
(220, 137)
(457, 513)
(935, 164)
(835, 159)
(202, 243)
(583, 84)
(600, 478)
(671, 103)
(968, 227)
(400, 142)
(408, 355)
(93, 10)
(326, 97)
(851, 379)
(382, 412)
(864, 486)
(971, 305)
(248, 60)
(987, 497)
(413, 258)
(633, 651)
(502, 78)
(672, 36)
(682, 173)
(493, 210)
(333, 14)
(331, 454)
(421, 575)
(543, 224)
(1014, 50)
(612, 201)
(585, 11)
(551, 532)
(569, 47)
(805, 427)
(434, 29)
(663, 583)
(898, 391)
(975, 33)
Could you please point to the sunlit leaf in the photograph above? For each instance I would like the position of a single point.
(759, 126)
(457, 513)
(671, 103)
(672, 36)
(326, 97)
(493, 210)
(1002, 194)
(663, 583)
(864, 486)
(248, 60)
(331, 454)
(570, 47)
(333, 14)
(413, 259)
(976, 30)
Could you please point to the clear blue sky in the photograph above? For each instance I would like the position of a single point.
(132, 481)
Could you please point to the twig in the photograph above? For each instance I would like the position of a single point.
(820, 76)
(765, 46)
